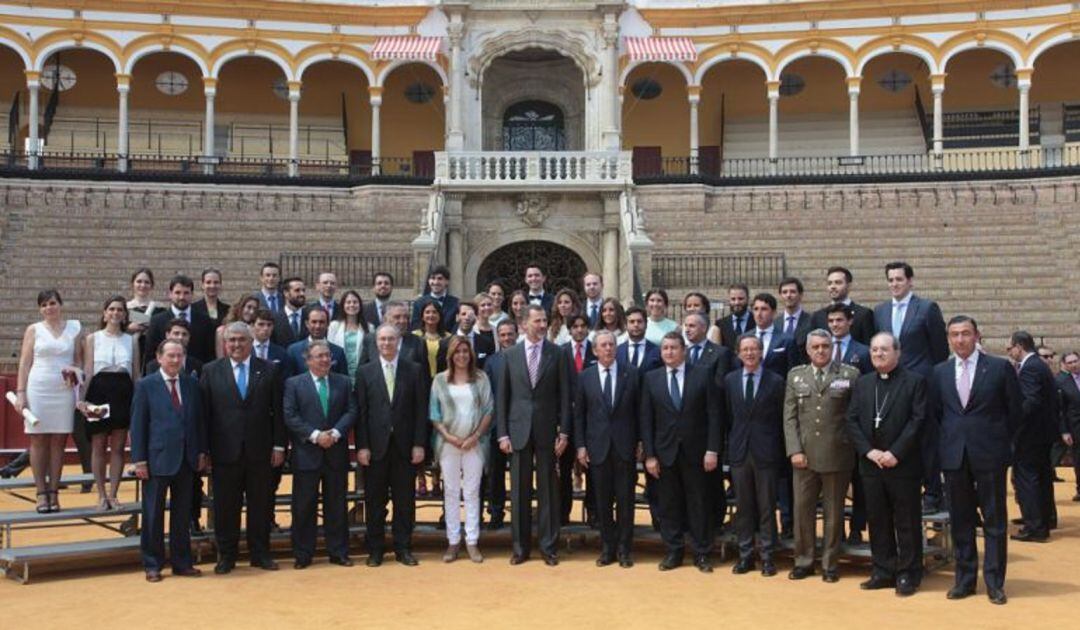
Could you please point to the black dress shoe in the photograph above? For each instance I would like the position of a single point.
(960, 592)
(406, 558)
(800, 573)
(768, 569)
(743, 566)
(605, 559)
(518, 558)
(344, 561)
(374, 560)
(703, 564)
(224, 566)
(877, 582)
(905, 587)
(1016, 521)
(266, 564)
(626, 562)
(997, 596)
(1030, 537)
(671, 561)
(301, 563)
(187, 572)
(830, 576)
(551, 560)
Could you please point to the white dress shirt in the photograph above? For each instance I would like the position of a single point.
(314, 437)
(972, 361)
(602, 372)
(176, 379)
(766, 338)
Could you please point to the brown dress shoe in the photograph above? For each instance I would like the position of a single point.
(153, 576)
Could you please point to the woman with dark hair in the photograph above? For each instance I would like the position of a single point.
(696, 302)
(656, 305)
(518, 301)
(48, 386)
(460, 409)
(565, 306)
(111, 359)
(244, 310)
(496, 290)
(612, 318)
(142, 300)
(431, 332)
(349, 328)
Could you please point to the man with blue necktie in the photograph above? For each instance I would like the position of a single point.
(270, 295)
(739, 321)
(594, 297)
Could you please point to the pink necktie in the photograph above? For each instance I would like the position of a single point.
(964, 387)
(534, 364)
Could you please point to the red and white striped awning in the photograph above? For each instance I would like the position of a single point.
(410, 47)
(660, 49)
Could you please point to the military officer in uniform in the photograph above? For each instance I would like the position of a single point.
(815, 413)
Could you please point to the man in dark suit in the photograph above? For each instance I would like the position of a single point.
(838, 284)
(1069, 426)
(270, 295)
(754, 397)
(392, 396)
(211, 288)
(637, 351)
(846, 349)
(326, 286)
(167, 447)
(483, 345)
(245, 432)
(290, 325)
(382, 288)
(778, 349)
(793, 320)
(887, 411)
(739, 320)
(702, 353)
(976, 399)
(537, 294)
(201, 328)
(263, 346)
(438, 283)
(579, 356)
(681, 425)
(495, 479)
(409, 346)
(180, 331)
(606, 434)
(532, 409)
(1032, 471)
(319, 411)
(317, 323)
(919, 326)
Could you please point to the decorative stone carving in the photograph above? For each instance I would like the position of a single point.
(533, 210)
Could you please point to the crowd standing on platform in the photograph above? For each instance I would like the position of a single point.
(770, 406)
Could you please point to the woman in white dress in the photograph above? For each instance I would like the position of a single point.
(48, 386)
(111, 363)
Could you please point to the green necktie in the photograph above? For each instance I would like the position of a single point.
(324, 396)
(388, 369)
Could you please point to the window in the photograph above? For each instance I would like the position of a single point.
(533, 126)
(419, 93)
(895, 81)
(646, 89)
(171, 83)
(53, 71)
(791, 84)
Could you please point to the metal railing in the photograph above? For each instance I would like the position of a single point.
(1070, 122)
(705, 270)
(352, 270)
(962, 130)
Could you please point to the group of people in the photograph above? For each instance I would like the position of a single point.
(768, 406)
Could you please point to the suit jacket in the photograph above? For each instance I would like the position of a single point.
(297, 365)
(755, 427)
(449, 311)
(649, 362)
(922, 336)
(779, 357)
(696, 427)
(161, 436)
(278, 357)
(601, 426)
(203, 331)
(251, 426)
(264, 304)
(483, 347)
(985, 428)
(1039, 407)
(222, 311)
(718, 360)
(862, 327)
(524, 412)
(304, 414)
(857, 355)
(412, 348)
(547, 300)
(192, 367)
(283, 334)
(815, 417)
(371, 313)
(1069, 408)
(802, 329)
(903, 417)
(405, 416)
(588, 358)
(728, 337)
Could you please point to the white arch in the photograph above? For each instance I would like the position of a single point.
(215, 71)
(18, 50)
(678, 66)
(732, 56)
(43, 56)
(1011, 53)
(158, 47)
(886, 49)
(1060, 38)
(381, 80)
(349, 59)
(828, 53)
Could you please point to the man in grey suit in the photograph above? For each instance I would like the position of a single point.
(918, 325)
(532, 411)
(319, 411)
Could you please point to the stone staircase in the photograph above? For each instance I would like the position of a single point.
(85, 239)
(992, 250)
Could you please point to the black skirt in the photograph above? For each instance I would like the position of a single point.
(116, 390)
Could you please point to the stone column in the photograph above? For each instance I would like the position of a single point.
(209, 91)
(853, 114)
(611, 257)
(375, 96)
(294, 128)
(937, 88)
(773, 91)
(33, 86)
(1023, 83)
(694, 96)
(455, 258)
(455, 134)
(123, 87)
(610, 106)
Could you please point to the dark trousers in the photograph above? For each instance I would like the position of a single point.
(755, 507)
(1033, 480)
(894, 513)
(495, 481)
(719, 492)
(972, 492)
(82, 442)
(305, 503)
(234, 484)
(523, 463)
(566, 484)
(858, 502)
(197, 497)
(931, 482)
(685, 504)
(613, 481)
(152, 537)
(785, 497)
(652, 496)
(390, 477)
